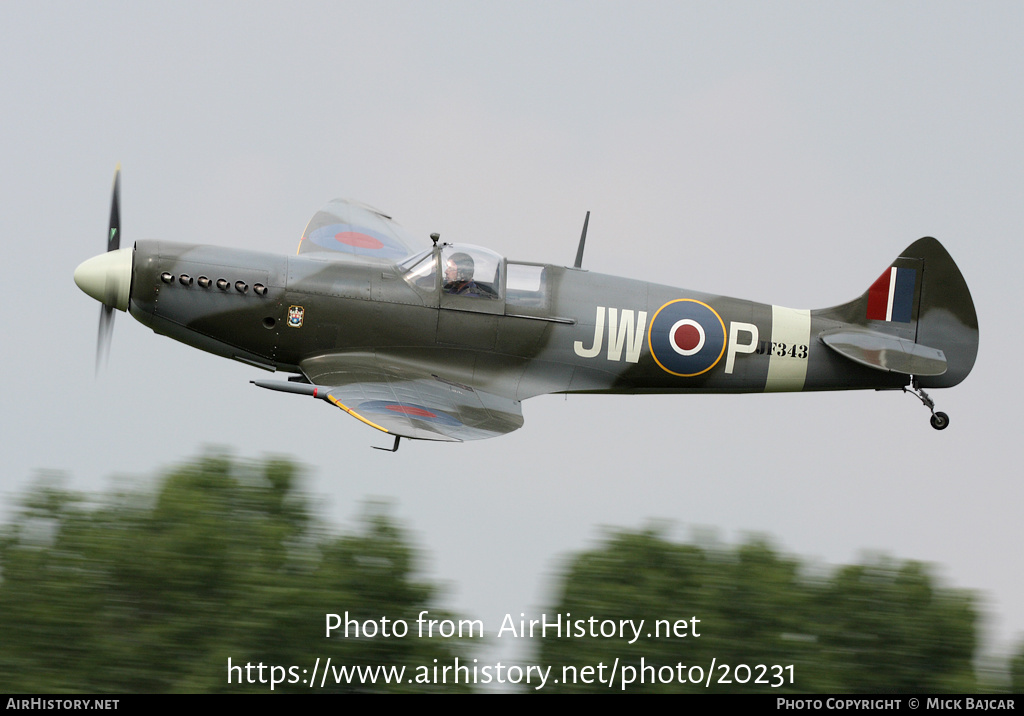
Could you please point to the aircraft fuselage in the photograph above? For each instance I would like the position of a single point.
(581, 332)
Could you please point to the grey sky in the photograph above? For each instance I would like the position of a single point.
(781, 152)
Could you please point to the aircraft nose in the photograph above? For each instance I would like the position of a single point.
(107, 277)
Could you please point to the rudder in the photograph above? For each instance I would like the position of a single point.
(947, 319)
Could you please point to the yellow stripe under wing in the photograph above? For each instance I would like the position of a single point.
(354, 414)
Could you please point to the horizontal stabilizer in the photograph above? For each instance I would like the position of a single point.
(885, 352)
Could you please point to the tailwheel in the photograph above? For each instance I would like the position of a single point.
(939, 420)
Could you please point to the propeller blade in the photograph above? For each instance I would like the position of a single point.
(114, 235)
(103, 339)
(106, 329)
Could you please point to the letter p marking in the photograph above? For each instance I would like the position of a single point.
(735, 327)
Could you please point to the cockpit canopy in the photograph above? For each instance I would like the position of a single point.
(465, 270)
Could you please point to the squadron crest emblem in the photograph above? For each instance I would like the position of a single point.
(295, 316)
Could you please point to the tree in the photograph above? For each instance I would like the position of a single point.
(154, 592)
(1017, 671)
(870, 628)
(886, 626)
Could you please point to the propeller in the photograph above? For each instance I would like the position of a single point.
(108, 277)
(106, 329)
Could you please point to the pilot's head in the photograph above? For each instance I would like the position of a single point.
(459, 268)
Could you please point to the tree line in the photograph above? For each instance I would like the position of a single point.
(154, 590)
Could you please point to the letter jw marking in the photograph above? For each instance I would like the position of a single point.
(626, 329)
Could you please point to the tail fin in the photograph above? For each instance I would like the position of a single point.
(921, 298)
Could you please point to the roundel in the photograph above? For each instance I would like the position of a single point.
(686, 337)
(420, 412)
(357, 240)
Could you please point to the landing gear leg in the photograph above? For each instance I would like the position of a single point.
(395, 448)
(939, 420)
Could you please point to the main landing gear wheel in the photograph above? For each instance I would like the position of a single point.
(939, 420)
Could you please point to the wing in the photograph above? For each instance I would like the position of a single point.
(407, 399)
(346, 229)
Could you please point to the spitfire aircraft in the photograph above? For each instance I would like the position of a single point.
(445, 341)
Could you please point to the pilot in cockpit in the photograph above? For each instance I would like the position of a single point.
(458, 276)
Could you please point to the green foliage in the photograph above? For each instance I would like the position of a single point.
(887, 626)
(1017, 671)
(872, 628)
(155, 592)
